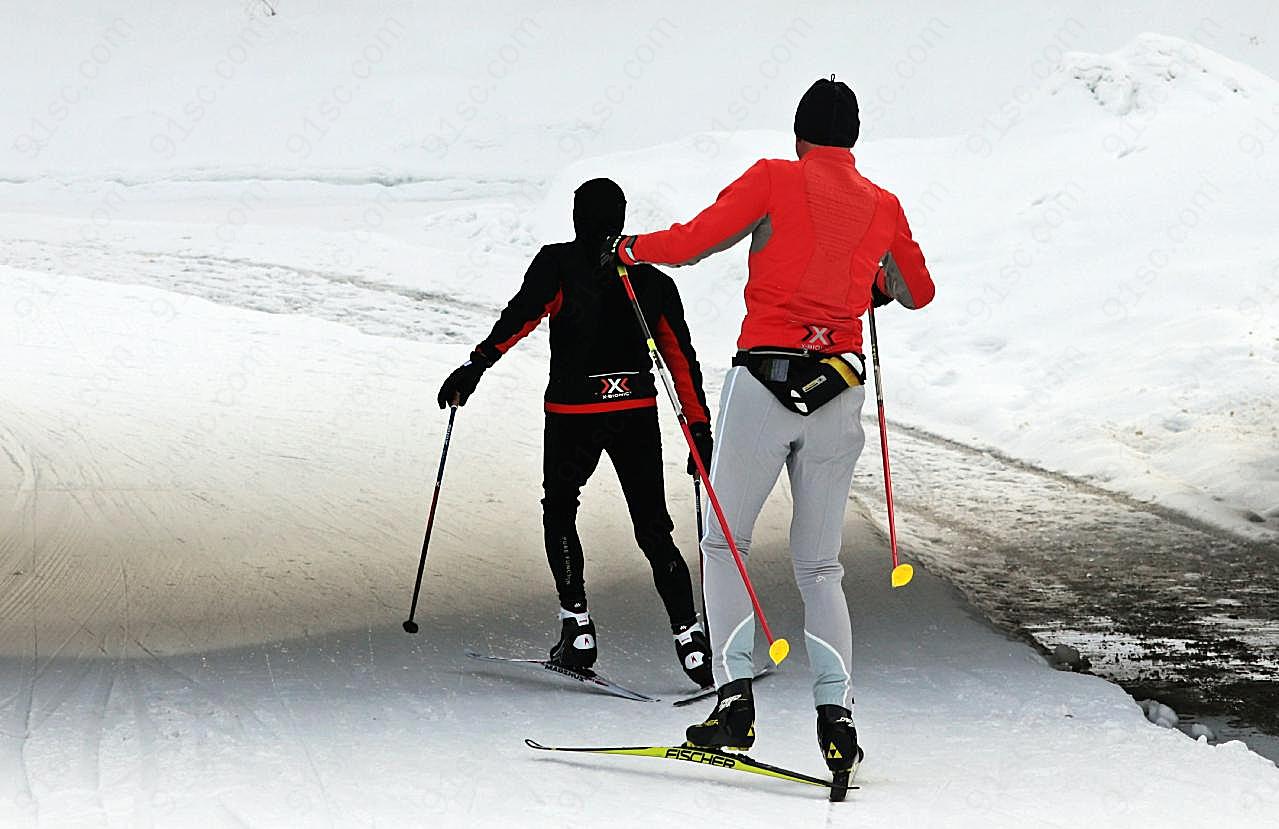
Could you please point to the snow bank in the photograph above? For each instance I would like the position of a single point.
(1152, 69)
(1108, 275)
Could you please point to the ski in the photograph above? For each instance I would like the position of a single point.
(709, 690)
(586, 677)
(706, 757)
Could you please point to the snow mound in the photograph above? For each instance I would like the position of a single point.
(1199, 731)
(1149, 71)
(1159, 714)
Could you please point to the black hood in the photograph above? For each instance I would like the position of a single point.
(599, 210)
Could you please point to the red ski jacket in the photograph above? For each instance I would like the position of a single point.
(819, 230)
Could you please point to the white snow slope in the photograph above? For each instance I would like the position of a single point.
(211, 544)
(215, 512)
(1100, 224)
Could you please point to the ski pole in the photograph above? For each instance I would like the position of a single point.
(697, 499)
(701, 563)
(410, 626)
(902, 573)
(777, 648)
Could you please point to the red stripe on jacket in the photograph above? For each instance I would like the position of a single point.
(597, 408)
(552, 308)
(685, 385)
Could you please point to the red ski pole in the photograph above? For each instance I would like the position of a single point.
(902, 573)
(777, 648)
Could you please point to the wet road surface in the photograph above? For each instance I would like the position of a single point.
(1167, 607)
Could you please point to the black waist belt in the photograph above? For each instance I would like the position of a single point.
(803, 381)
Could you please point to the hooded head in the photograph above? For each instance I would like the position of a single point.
(827, 114)
(599, 210)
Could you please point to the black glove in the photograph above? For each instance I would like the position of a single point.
(878, 297)
(701, 433)
(608, 250)
(462, 382)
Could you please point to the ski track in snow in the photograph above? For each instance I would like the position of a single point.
(376, 308)
(15, 726)
(298, 738)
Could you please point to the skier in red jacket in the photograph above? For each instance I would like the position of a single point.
(825, 243)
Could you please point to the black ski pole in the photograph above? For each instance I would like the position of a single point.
(697, 499)
(701, 561)
(410, 626)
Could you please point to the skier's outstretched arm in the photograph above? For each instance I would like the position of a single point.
(737, 210)
(539, 296)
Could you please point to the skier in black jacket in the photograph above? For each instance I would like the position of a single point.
(602, 398)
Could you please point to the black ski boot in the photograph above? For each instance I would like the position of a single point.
(694, 652)
(576, 648)
(837, 739)
(732, 724)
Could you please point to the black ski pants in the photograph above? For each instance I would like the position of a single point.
(572, 449)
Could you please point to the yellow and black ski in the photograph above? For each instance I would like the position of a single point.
(701, 756)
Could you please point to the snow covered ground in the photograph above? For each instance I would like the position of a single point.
(204, 579)
(215, 511)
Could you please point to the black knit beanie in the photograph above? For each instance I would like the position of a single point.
(827, 115)
(599, 209)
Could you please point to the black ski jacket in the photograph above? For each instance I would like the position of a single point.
(599, 359)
